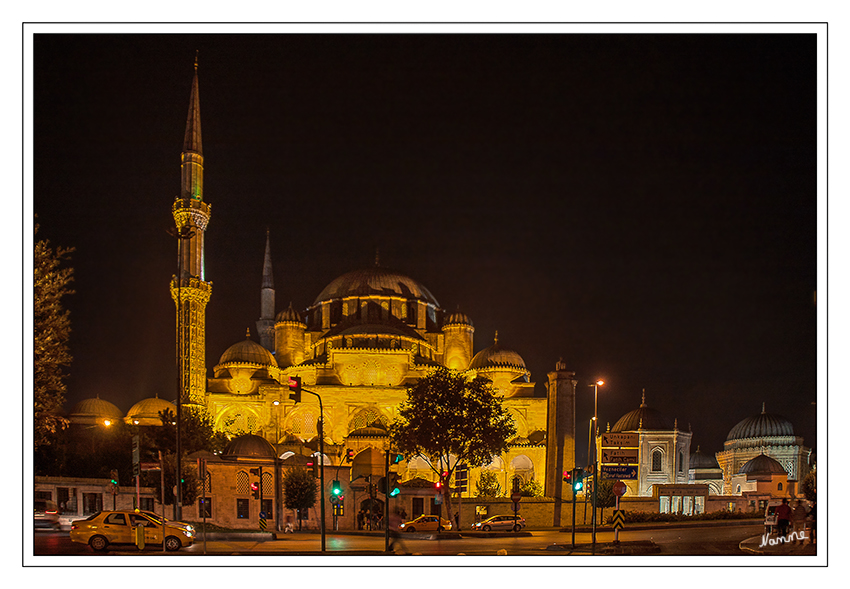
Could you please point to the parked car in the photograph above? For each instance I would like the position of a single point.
(500, 522)
(46, 514)
(425, 523)
(119, 527)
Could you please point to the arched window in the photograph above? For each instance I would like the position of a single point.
(242, 483)
(657, 456)
(366, 417)
(779, 487)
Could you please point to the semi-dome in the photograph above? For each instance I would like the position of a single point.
(249, 446)
(146, 411)
(91, 410)
(248, 352)
(644, 417)
(762, 425)
(762, 464)
(497, 356)
(375, 281)
(700, 460)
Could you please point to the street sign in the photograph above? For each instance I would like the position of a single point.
(516, 497)
(619, 471)
(619, 519)
(619, 488)
(619, 456)
(616, 440)
(136, 469)
(149, 465)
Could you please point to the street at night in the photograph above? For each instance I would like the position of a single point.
(471, 284)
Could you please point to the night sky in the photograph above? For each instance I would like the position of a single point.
(642, 206)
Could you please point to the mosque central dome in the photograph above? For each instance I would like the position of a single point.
(375, 281)
(762, 425)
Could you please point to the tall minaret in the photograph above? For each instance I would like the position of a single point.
(265, 325)
(189, 290)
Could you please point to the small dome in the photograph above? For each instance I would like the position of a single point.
(762, 464)
(497, 356)
(458, 318)
(700, 460)
(248, 352)
(249, 446)
(760, 426)
(644, 417)
(146, 411)
(375, 281)
(91, 410)
(289, 314)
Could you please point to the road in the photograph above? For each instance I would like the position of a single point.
(696, 540)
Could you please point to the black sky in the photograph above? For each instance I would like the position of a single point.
(643, 206)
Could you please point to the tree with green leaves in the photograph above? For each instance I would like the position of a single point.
(299, 491)
(197, 433)
(51, 331)
(488, 485)
(531, 489)
(449, 419)
(605, 496)
(809, 486)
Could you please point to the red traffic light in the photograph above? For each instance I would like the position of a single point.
(295, 388)
(349, 454)
(438, 485)
(568, 476)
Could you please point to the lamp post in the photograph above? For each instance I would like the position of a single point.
(595, 386)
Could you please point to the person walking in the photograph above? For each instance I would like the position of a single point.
(396, 544)
(783, 517)
(798, 518)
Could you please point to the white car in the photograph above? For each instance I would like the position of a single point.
(500, 522)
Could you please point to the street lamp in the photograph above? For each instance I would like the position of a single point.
(595, 386)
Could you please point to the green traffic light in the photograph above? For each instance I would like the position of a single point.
(395, 492)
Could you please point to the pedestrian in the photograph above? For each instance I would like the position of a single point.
(798, 518)
(457, 520)
(783, 517)
(360, 517)
(396, 544)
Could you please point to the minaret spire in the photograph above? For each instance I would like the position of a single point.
(265, 325)
(189, 289)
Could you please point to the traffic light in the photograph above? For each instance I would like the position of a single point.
(114, 479)
(314, 466)
(438, 485)
(255, 490)
(295, 388)
(393, 487)
(397, 458)
(349, 455)
(336, 488)
(568, 477)
(578, 479)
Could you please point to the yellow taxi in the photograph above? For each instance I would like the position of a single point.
(101, 529)
(425, 523)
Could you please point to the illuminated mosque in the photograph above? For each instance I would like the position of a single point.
(366, 337)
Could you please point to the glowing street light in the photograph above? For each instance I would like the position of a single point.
(595, 386)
